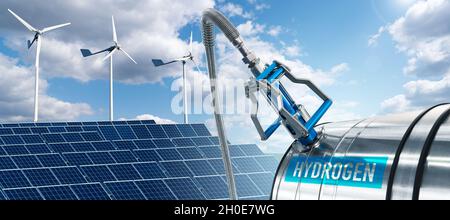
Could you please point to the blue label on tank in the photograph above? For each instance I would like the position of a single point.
(363, 172)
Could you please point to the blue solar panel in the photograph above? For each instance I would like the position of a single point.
(74, 123)
(69, 175)
(215, 140)
(245, 187)
(90, 192)
(21, 131)
(219, 166)
(2, 152)
(23, 194)
(124, 172)
(268, 163)
(29, 161)
(176, 169)
(53, 138)
(16, 150)
(101, 158)
(172, 131)
(13, 179)
(125, 191)
(149, 170)
(61, 148)
(57, 129)
(6, 131)
(155, 190)
(247, 165)
(91, 136)
(103, 146)
(184, 189)
(144, 144)
(200, 167)
(156, 131)
(141, 132)
(125, 132)
(211, 152)
(12, 139)
(6, 163)
(77, 159)
(102, 123)
(32, 139)
(83, 147)
(41, 177)
(147, 155)
(186, 130)
(169, 154)
(98, 173)
(74, 129)
(235, 151)
(148, 122)
(201, 130)
(57, 193)
(39, 130)
(214, 187)
(183, 142)
(109, 132)
(262, 180)
(190, 153)
(125, 145)
(72, 137)
(123, 156)
(51, 160)
(251, 150)
(163, 143)
(38, 149)
(202, 141)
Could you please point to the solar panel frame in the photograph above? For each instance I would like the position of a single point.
(57, 193)
(38, 149)
(15, 150)
(125, 132)
(26, 161)
(41, 177)
(186, 130)
(157, 131)
(6, 163)
(10, 179)
(109, 132)
(69, 175)
(172, 131)
(201, 130)
(141, 132)
(12, 140)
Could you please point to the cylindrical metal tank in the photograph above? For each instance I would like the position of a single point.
(416, 147)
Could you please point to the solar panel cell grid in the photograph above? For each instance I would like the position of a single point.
(101, 158)
(57, 129)
(23, 194)
(125, 145)
(156, 131)
(147, 155)
(176, 169)
(169, 154)
(109, 132)
(38, 149)
(77, 159)
(126, 132)
(61, 148)
(69, 175)
(163, 143)
(16, 150)
(123, 156)
(21, 130)
(155, 190)
(186, 130)
(214, 187)
(6, 131)
(124, 172)
(185, 189)
(149, 170)
(72, 137)
(201, 130)
(141, 132)
(98, 173)
(268, 163)
(125, 191)
(103, 146)
(41, 177)
(247, 165)
(29, 161)
(172, 131)
(183, 142)
(57, 193)
(74, 129)
(12, 139)
(6, 163)
(144, 144)
(13, 179)
(90, 192)
(200, 168)
(251, 150)
(51, 160)
(91, 136)
(53, 138)
(202, 141)
(190, 153)
(261, 180)
(245, 187)
(82, 147)
(39, 130)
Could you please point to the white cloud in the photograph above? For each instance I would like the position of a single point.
(17, 96)
(423, 34)
(232, 10)
(373, 40)
(157, 119)
(275, 31)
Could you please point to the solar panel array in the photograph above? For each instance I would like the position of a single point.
(125, 160)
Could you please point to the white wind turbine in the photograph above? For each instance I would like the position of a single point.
(183, 60)
(111, 50)
(38, 39)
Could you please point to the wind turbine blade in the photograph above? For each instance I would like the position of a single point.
(87, 53)
(47, 29)
(28, 26)
(190, 44)
(158, 62)
(110, 54)
(114, 30)
(128, 55)
(196, 66)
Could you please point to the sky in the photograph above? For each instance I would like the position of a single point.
(372, 57)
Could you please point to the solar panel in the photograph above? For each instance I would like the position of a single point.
(98, 173)
(57, 193)
(103, 146)
(23, 194)
(155, 190)
(13, 179)
(169, 154)
(41, 177)
(214, 187)
(124, 172)
(69, 175)
(90, 192)
(245, 187)
(125, 191)
(149, 170)
(124, 160)
(29, 161)
(184, 189)
(6, 163)
(147, 155)
(201, 168)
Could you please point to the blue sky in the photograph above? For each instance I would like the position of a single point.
(322, 33)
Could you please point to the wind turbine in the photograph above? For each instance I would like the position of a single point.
(38, 39)
(111, 50)
(183, 60)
